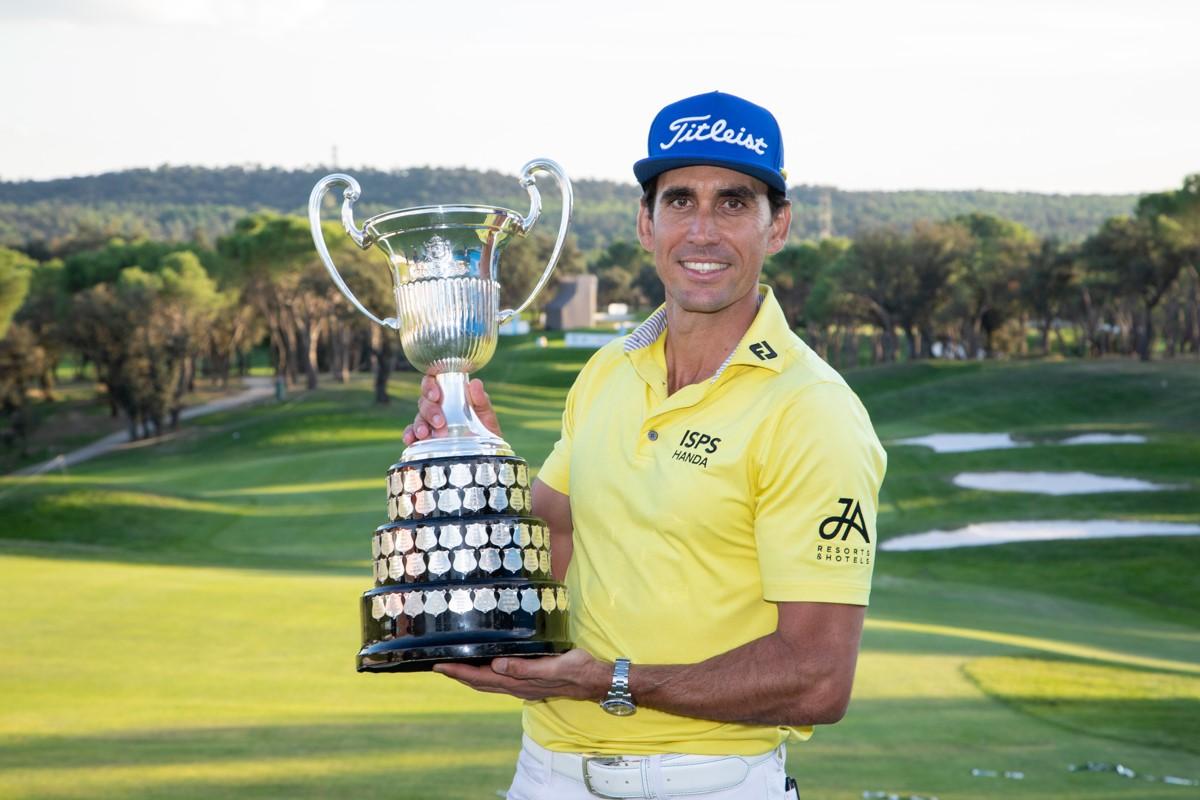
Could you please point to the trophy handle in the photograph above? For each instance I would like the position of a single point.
(535, 210)
(360, 237)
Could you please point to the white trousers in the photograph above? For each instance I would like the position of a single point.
(536, 779)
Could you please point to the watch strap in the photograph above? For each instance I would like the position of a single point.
(619, 700)
(620, 678)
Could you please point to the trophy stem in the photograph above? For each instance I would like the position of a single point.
(465, 434)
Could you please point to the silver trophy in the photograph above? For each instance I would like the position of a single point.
(444, 264)
(462, 568)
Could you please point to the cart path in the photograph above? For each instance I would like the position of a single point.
(257, 388)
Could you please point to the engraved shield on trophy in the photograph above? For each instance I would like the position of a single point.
(461, 567)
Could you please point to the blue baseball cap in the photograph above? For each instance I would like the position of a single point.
(715, 129)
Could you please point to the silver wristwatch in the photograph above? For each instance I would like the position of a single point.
(619, 701)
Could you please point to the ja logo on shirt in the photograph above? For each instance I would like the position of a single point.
(851, 519)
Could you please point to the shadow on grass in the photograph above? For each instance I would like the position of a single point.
(1147, 707)
(429, 733)
(97, 524)
(426, 756)
(470, 756)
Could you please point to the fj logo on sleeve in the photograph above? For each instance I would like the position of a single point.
(851, 519)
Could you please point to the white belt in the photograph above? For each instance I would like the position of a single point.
(637, 776)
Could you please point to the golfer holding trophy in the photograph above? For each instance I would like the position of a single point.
(711, 501)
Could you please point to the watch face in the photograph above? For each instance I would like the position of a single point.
(620, 708)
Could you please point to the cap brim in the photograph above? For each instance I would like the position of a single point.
(651, 167)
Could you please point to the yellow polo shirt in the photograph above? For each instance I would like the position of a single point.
(695, 513)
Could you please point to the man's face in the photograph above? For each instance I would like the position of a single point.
(710, 232)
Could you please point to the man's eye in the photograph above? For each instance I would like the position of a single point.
(735, 203)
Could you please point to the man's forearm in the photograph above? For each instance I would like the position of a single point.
(763, 682)
(800, 674)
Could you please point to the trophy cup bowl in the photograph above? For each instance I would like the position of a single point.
(462, 568)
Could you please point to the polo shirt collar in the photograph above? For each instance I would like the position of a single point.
(764, 341)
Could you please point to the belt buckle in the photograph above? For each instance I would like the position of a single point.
(587, 780)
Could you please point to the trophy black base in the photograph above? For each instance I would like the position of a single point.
(464, 623)
(406, 657)
(462, 569)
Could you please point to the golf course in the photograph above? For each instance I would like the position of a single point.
(180, 619)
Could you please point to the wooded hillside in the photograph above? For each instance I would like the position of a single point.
(186, 203)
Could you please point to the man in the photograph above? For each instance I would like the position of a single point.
(711, 503)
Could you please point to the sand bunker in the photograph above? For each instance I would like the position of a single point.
(964, 442)
(1056, 483)
(985, 533)
(971, 442)
(1104, 438)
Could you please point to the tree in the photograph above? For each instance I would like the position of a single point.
(82, 270)
(1048, 285)
(21, 363)
(189, 294)
(898, 281)
(650, 285)
(872, 275)
(1183, 207)
(231, 329)
(269, 249)
(830, 313)
(522, 263)
(142, 332)
(617, 268)
(794, 269)
(1180, 203)
(370, 278)
(989, 284)
(45, 313)
(936, 256)
(15, 269)
(1145, 254)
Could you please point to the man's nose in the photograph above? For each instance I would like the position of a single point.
(703, 229)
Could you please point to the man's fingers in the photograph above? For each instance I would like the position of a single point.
(430, 419)
(524, 668)
(430, 389)
(479, 396)
(483, 406)
(416, 432)
(472, 674)
(430, 413)
(481, 679)
(542, 668)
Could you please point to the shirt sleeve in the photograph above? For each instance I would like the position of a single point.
(556, 469)
(819, 473)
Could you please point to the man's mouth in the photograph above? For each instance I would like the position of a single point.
(705, 266)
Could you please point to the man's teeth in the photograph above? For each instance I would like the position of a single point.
(704, 266)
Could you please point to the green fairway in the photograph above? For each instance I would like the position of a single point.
(180, 620)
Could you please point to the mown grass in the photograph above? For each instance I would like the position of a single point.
(1100, 700)
(181, 620)
(1154, 576)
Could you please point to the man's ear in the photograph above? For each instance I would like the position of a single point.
(645, 227)
(781, 223)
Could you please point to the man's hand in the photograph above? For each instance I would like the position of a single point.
(430, 422)
(575, 674)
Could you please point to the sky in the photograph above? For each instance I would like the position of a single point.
(1086, 96)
